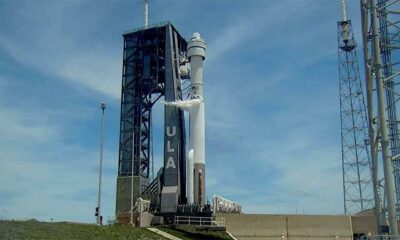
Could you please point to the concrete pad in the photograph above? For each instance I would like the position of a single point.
(164, 234)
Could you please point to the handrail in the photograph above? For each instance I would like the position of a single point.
(199, 221)
(161, 24)
(380, 237)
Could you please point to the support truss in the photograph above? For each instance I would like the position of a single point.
(381, 35)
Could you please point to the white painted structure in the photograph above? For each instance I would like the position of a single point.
(195, 107)
(196, 54)
(223, 205)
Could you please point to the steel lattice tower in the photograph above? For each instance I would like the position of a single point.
(151, 60)
(390, 40)
(381, 43)
(357, 183)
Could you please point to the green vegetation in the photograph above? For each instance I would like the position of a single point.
(190, 233)
(33, 229)
(36, 230)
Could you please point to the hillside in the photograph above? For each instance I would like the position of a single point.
(67, 231)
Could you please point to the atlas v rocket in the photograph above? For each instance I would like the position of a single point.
(196, 189)
(155, 60)
(196, 167)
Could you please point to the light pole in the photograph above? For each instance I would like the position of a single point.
(99, 219)
(132, 169)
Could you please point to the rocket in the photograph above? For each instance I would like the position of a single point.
(196, 191)
(196, 167)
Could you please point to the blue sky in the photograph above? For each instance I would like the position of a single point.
(271, 89)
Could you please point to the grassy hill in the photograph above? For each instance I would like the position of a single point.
(32, 229)
(35, 230)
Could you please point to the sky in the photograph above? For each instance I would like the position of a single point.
(271, 92)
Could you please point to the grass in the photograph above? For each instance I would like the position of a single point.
(190, 232)
(32, 229)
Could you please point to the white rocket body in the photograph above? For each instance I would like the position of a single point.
(189, 176)
(196, 55)
(195, 106)
(197, 125)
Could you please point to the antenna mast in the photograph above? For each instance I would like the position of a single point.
(344, 15)
(146, 13)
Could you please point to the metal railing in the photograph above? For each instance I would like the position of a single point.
(223, 205)
(199, 221)
(161, 24)
(380, 237)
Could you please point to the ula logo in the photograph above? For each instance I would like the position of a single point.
(170, 161)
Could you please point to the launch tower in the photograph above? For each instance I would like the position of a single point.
(151, 61)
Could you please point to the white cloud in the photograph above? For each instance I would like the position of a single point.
(45, 46)
(250, 26)
(17, 126)
(99, 70)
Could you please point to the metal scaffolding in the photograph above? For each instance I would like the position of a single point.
(142, 86)
(389, 26)
(381, 33)
(357, 182)
(151, 60)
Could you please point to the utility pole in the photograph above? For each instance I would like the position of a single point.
(132, 174)
(99, 218)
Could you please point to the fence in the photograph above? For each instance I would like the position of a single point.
(200, 221)
(380, 237)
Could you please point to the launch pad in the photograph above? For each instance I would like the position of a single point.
(160, 65)
(158, 61)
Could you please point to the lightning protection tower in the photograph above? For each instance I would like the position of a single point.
(357, 183)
